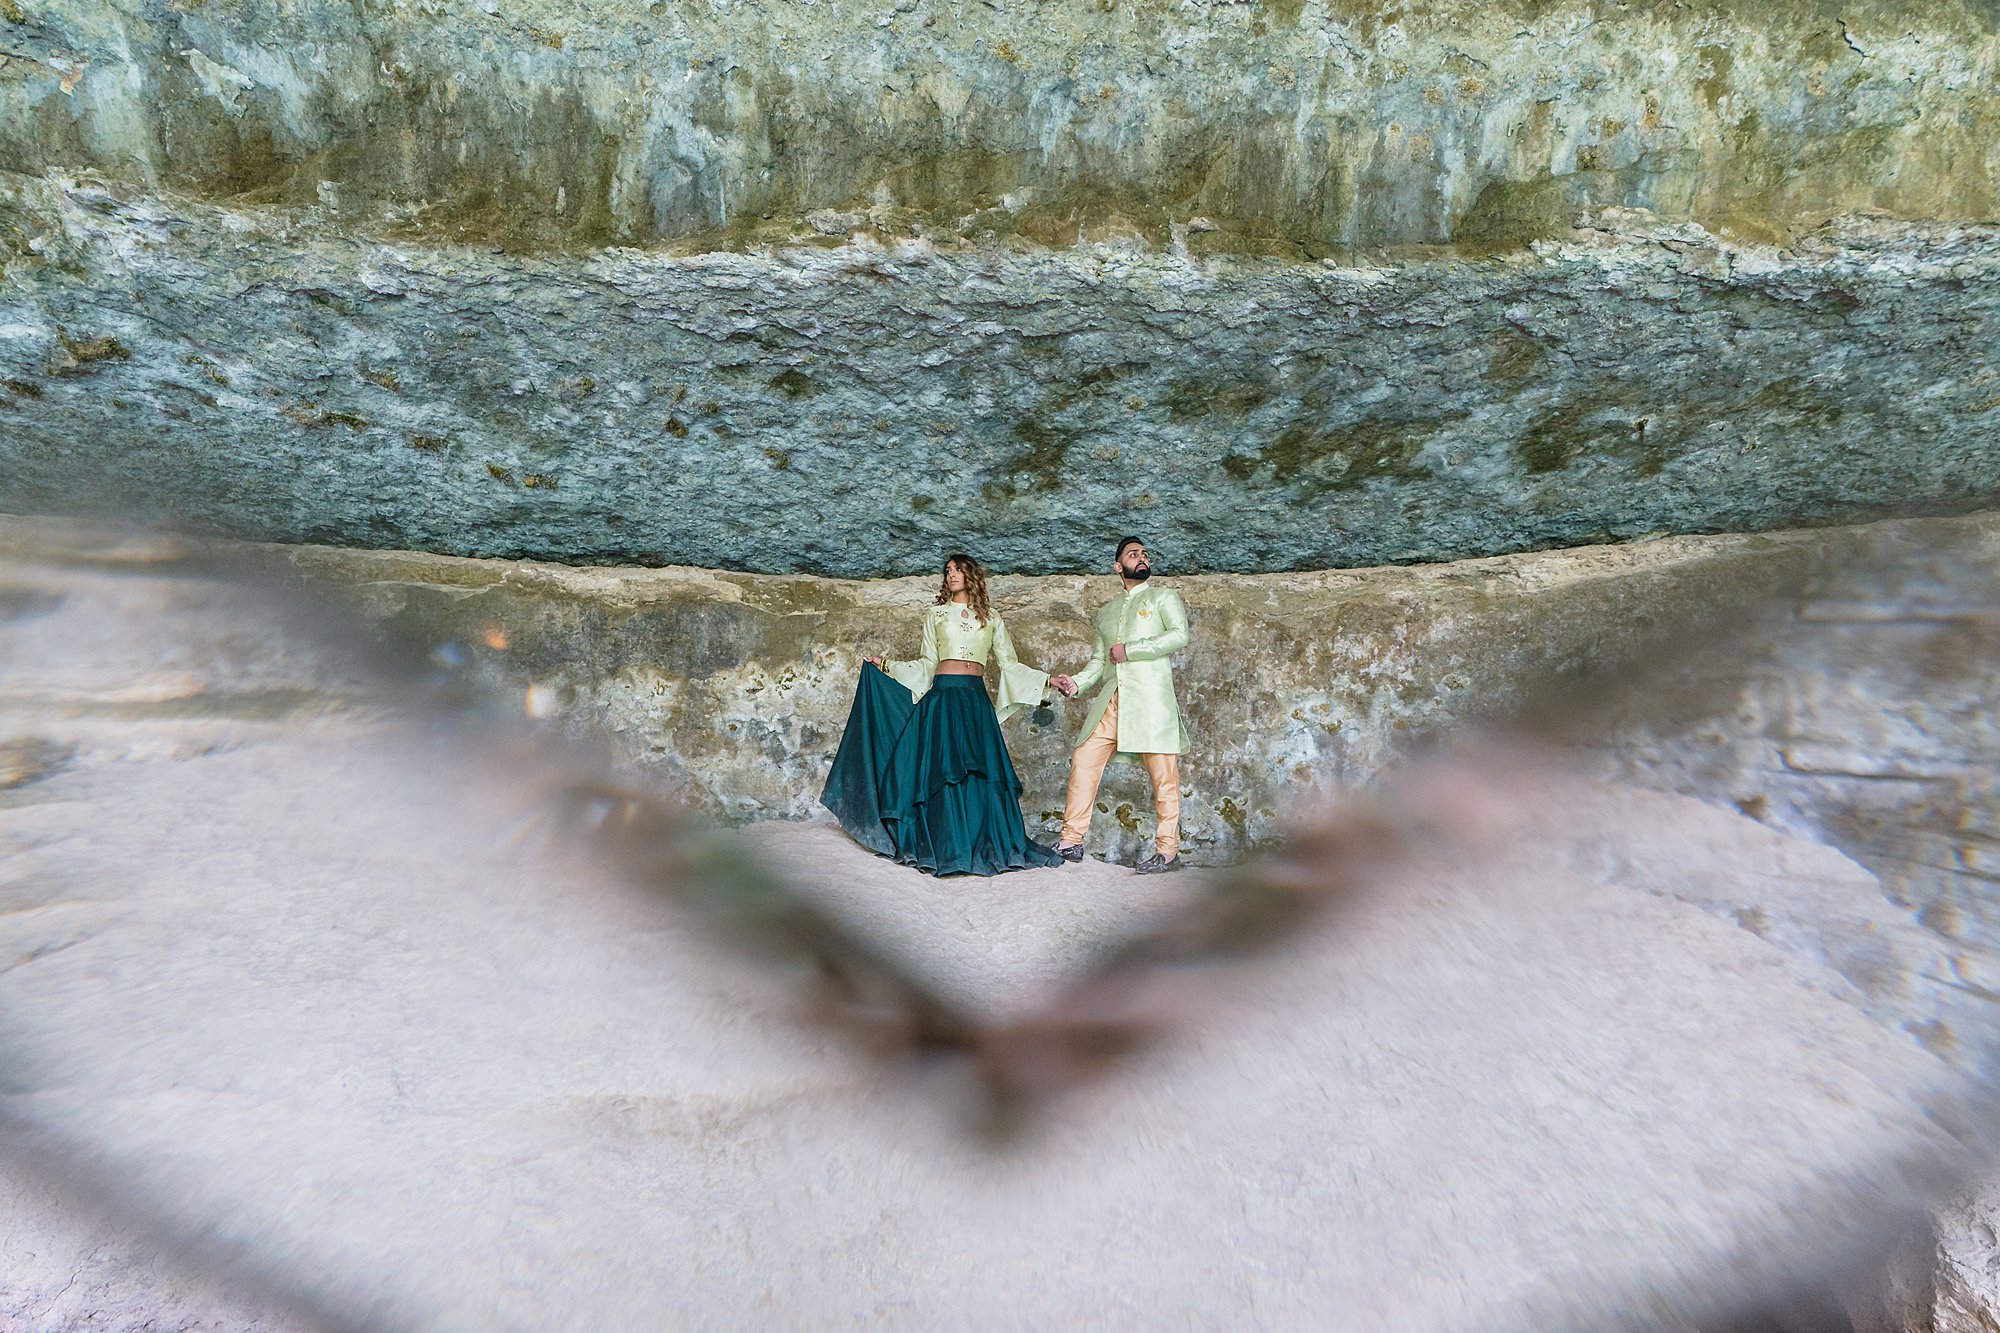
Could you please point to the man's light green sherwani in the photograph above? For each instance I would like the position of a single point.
(1153, 625)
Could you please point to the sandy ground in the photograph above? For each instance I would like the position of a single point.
(308, 1019)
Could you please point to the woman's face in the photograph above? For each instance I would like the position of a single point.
(954, 577)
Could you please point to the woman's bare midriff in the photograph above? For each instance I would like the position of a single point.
(953, 666)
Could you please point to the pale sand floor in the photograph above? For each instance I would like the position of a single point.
(323, 989)
(324, 994)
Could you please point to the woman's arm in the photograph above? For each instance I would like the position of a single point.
(914, 674)
(1019, 685)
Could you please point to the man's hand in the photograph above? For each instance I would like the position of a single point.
(1118, 652)
(1065, 686)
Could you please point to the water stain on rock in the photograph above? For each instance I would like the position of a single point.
(79, 355)
(794, 383)
(32, 759)
(1315, 459)
(1223, 395)
(1039, 466)
(1516, 359)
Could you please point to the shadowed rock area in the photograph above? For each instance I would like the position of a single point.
(786, 290)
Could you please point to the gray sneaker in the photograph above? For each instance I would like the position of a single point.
(1156, 865)
(1071, 854)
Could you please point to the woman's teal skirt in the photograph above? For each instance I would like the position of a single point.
(930, 783)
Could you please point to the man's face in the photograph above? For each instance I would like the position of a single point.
(1133, 559)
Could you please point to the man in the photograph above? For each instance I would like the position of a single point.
(1136, 711)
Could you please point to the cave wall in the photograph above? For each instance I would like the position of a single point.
(1298, 126)
(862, 410)
(732, 689)
(785, 288)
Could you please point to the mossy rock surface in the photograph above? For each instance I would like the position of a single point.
(805, 288)
(1297, 128)
(861, 410)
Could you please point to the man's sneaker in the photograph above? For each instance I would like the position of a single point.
(1071, 854)
(1156, 865)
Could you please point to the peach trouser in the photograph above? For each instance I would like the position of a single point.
(1086, 770)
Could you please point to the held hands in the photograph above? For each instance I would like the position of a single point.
(1064, 685)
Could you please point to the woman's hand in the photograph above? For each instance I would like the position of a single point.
(875, 662)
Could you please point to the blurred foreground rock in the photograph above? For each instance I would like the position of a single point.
(1968, 1266)
(289, 974)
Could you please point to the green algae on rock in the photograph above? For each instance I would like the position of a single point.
(859, 410)
(792, 287)
(1296, 128)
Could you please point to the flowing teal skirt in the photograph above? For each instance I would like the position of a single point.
(930, 784)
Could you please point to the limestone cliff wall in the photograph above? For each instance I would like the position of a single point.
(797, 287)
(863, 410)
(1299, 125)
(734, 688)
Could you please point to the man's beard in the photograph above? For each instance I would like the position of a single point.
(1139, 575)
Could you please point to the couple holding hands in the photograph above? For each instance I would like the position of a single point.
(922, 774)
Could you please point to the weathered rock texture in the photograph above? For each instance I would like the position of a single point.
(1299, 126)
(1863, 717)
(733, 688)
(1968, 1266)
(375, 275)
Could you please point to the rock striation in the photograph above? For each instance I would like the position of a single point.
(1968, 1266)
(1294, 127)
(782, 289)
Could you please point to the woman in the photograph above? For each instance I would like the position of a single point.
(922, 774)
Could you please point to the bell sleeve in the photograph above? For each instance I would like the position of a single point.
(1020, 686)
(914, 674)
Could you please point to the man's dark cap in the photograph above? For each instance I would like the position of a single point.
(1124, 542)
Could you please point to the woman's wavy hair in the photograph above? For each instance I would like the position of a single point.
(975, 584)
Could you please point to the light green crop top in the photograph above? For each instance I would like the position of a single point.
(952, 631)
